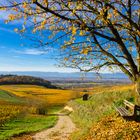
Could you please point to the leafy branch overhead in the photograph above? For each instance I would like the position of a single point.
(91, 34)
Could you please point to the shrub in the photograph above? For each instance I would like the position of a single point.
(42, 109)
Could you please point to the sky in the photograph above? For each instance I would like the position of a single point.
(18, 54)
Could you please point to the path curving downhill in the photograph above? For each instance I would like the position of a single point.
(61, 131)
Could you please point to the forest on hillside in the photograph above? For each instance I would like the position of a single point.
(14, 79)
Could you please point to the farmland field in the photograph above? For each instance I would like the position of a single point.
(24, 93)
(23, 105)
(35, 93)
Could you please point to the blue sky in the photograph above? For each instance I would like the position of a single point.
(17, 53)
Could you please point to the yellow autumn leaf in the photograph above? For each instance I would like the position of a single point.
(43, 22)
(74, 30)
(84, 51)
(115, 13)
(46, 2)
(89, 48)
(14, 9)
(51, 27)
(138, 32)
(73, 11)
(66, 59)
(63, 47)
(81, 33)
(2, 8)
(24, 5)
(11, 17)
(34, 20)
(73, 60)
(33, 1)
(38, 10)
(75, 48)
(109, 16)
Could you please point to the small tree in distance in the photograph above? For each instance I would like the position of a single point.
(91, 33)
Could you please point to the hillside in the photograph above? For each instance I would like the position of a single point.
(29, 80)
(26, 101)
(24, 108)
(39, 93)
(99, 111)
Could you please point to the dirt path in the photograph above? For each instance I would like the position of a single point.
(61, 131)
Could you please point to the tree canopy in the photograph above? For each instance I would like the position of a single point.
(91, 33)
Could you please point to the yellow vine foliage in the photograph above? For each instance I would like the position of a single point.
(51, 96)
(8, 112)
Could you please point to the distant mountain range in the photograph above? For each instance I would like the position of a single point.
(71, 76)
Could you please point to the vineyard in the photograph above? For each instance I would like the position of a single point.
(34, 96)
(38, 93)
(9, 112)
(25, 105)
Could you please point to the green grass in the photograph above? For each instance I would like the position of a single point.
(54, 109)
(26, 125)
(9, 97)
(98, 106)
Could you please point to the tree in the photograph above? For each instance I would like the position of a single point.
(93, 33)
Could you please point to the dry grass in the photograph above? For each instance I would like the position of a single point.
(104, 88)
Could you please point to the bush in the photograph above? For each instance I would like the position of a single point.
(42, 109)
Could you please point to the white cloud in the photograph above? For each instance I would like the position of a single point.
(6, 30)
(32, 52)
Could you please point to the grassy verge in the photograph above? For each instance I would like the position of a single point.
(98, 106)
(26, 125)
(54, 109)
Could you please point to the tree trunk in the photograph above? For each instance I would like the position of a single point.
(137, 87)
